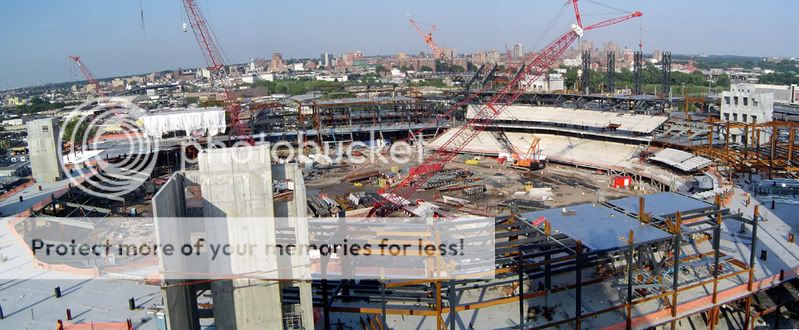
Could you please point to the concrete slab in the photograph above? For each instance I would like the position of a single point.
(630, 122)
(664, 205)
(597, 226)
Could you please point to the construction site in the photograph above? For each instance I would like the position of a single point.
(609, 210)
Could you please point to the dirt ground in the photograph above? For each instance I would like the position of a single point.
(569, 185)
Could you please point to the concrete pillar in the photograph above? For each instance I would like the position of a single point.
(237, 183)
(180, 301)
(296, 210)
(45, 150)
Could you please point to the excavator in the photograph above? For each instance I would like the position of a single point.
(531, 160)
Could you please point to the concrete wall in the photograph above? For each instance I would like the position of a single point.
(45, 151)
(743, 107)
(296, 210)
(782, 93)
(237, 183)
(180, 301)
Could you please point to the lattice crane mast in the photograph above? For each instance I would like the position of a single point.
(529, 72)
(428, 39)
(213, 58)
(88, 75)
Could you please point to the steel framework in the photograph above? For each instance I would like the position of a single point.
(611, 73)
(528, 73)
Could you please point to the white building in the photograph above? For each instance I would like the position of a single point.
(12, 122)
(782, 93)
(573, 62)
(744, 107)
(332, 77)
(551, 83)
(518, 51)
(204, 73)
(397, 73)
(258, 76)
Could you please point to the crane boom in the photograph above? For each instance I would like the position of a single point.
(213, 58)
(211, 53)
(88, 75)
(529, 73)
(428, 39)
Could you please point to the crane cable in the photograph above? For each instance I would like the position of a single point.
(141, 16)
(549, 27)
(609, 7)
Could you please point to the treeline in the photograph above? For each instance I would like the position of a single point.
(650, 75)
(37, 105)
(301, 86)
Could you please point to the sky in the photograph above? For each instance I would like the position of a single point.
(37, 36)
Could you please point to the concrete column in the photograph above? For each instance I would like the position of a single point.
(45, 150)
(237, 183)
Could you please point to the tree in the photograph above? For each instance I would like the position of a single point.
(426, 68)
(457, 69)
(723, 80)
(381, 70)
(74, 133)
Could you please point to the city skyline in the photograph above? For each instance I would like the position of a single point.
(128, 47)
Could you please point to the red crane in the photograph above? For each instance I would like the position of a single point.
(216, 64)
(88, 75)
(537, 66)
(428, 39)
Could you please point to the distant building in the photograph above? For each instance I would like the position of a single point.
(339, 78)
(12, 122)
(324, 59)
(204, 73)
(552, 82)
(657, 55)
(13, 101)
(492, 57)
(573, 62)
(449, 53)
(117, 84)
(586, 45)
(628, 55)
(277, 63)
(259, 76)
(518, 51)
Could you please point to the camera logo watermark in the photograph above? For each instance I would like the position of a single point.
(105, 137)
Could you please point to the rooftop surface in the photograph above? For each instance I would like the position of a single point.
(588, 118)
(597, 226)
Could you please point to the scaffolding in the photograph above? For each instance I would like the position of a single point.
(346, 120)
(774, 156)
(538, 262)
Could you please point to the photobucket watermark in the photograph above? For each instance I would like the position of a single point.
(371, 151)
(109, 152)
